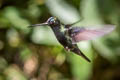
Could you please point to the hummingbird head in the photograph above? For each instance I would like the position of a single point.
(52, 21)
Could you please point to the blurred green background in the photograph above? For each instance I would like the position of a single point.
(35, 54)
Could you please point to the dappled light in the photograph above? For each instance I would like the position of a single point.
(34, 53)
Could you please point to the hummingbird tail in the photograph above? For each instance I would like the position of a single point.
(78, 52)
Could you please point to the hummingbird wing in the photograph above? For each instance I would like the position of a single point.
(79, 34)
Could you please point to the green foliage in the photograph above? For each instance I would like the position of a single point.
(35, 54)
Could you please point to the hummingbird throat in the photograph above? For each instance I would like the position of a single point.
(62, 29)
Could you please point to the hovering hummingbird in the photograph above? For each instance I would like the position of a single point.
(68, 36)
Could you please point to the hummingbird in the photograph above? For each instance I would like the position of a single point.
(68, 36)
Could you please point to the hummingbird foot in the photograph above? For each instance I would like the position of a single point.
(67, 49)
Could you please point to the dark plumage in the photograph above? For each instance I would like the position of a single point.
(69, 36)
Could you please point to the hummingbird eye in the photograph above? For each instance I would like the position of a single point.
(52, 21)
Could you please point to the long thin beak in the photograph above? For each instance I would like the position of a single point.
(42, 24)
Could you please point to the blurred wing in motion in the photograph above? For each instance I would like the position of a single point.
(79, 34)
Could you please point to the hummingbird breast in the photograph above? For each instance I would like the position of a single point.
(61, 37)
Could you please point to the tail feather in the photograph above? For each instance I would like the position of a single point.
(78, 52)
